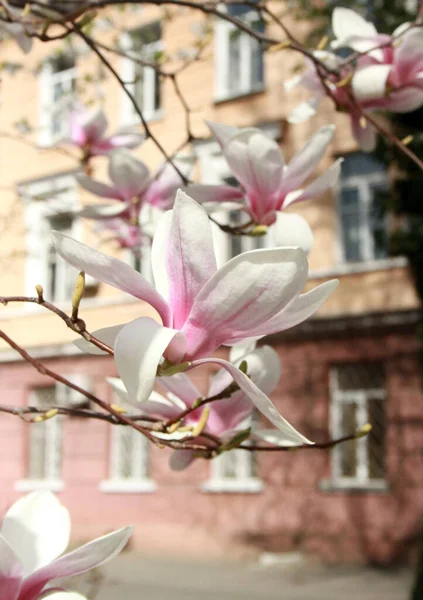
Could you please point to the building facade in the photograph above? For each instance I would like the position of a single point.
(356, 362)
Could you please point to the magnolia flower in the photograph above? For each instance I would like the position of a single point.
(227, 416)
(64, 596)
(34, 534)
(201, 307)
(259, 166)
(134, 187)
(87, 131)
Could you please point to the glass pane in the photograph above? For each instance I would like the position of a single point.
(378, 223)
(257, 66)
(234, 83)
(350, 223)
(361, 377)
(347, 451)
(236, 240)
(126, 451)
(43, 398)
(139, 87)
(157, 91)
(229, 465)
(376, 438)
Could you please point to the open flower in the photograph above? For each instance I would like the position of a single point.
(226, 416)
(134, 187)
(269, 185)
(88, 129)
(254, 294)
(34, 534)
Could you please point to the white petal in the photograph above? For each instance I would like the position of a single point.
(191, 259)
(103, 211)
(221, 132)
(262, 402)
(127, 172)
(107, 335)
(96, 187)
(65, 596)
(181, 459)
(321, 184)
(10, 572)
(304, 163)
(246, 292)
(370, 82)
(291, 229)
(118, 387)
(159, 254)
(346, 23)
(111, 271)
(275, 437)
(139, 348)
(182, 387)
(90, 556)
(37, 527)
(238, 351)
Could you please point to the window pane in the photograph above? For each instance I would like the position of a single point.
(348, 457)
(257, 64)
(139, 86)
(376, 438)
(45, 441)
(367, 376)
(378, 223)
(350, 223)
(235, 65)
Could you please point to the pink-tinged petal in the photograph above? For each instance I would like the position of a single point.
(119, 388)
(319, 186)
(87, 557)
(261, 401)
(130, 175)
(111, 271)
(93, 122)
(304, 111)
(17, 31)
(37, 527)
(274, 437)
(191, 259)
(409, 55)
(347, 23)
(162, 190)
(299, 310)
(227, 414)
(125, 140)
(370, 83)
(214, 193)
(103, 211)
(180, 386)
(304, 163)
(62, 595)
(364, 133)
(107, 335)
(291, 229)
(159, 254)
(181, 459)
(97, 188)
(139, 348)
(256, 161)
(159, 410)
(405, 100)
(246, 292)
(222, 133)
(10, 572)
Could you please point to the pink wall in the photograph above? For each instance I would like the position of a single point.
(291, 512)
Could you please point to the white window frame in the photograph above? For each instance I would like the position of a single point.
(362, 183)
(140, 480)
(45, 199)
(47, 80)
(213, 171)
(361, 398)
(128, 74)
(243, 482)
(222, 33)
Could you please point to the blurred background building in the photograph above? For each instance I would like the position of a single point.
(356, 362)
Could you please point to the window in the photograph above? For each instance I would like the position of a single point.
(362, 218)
(50, 204)
(239, 57)
(358, 396)
(129, 466)
(234, 471)
(142, 81)
(57, 89)
(45, 439)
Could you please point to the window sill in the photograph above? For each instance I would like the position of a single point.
(222, 97)
(134, 120)
(352, 485)
(30, 485)
(110, 486)
(360, 267)
(237, 486)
